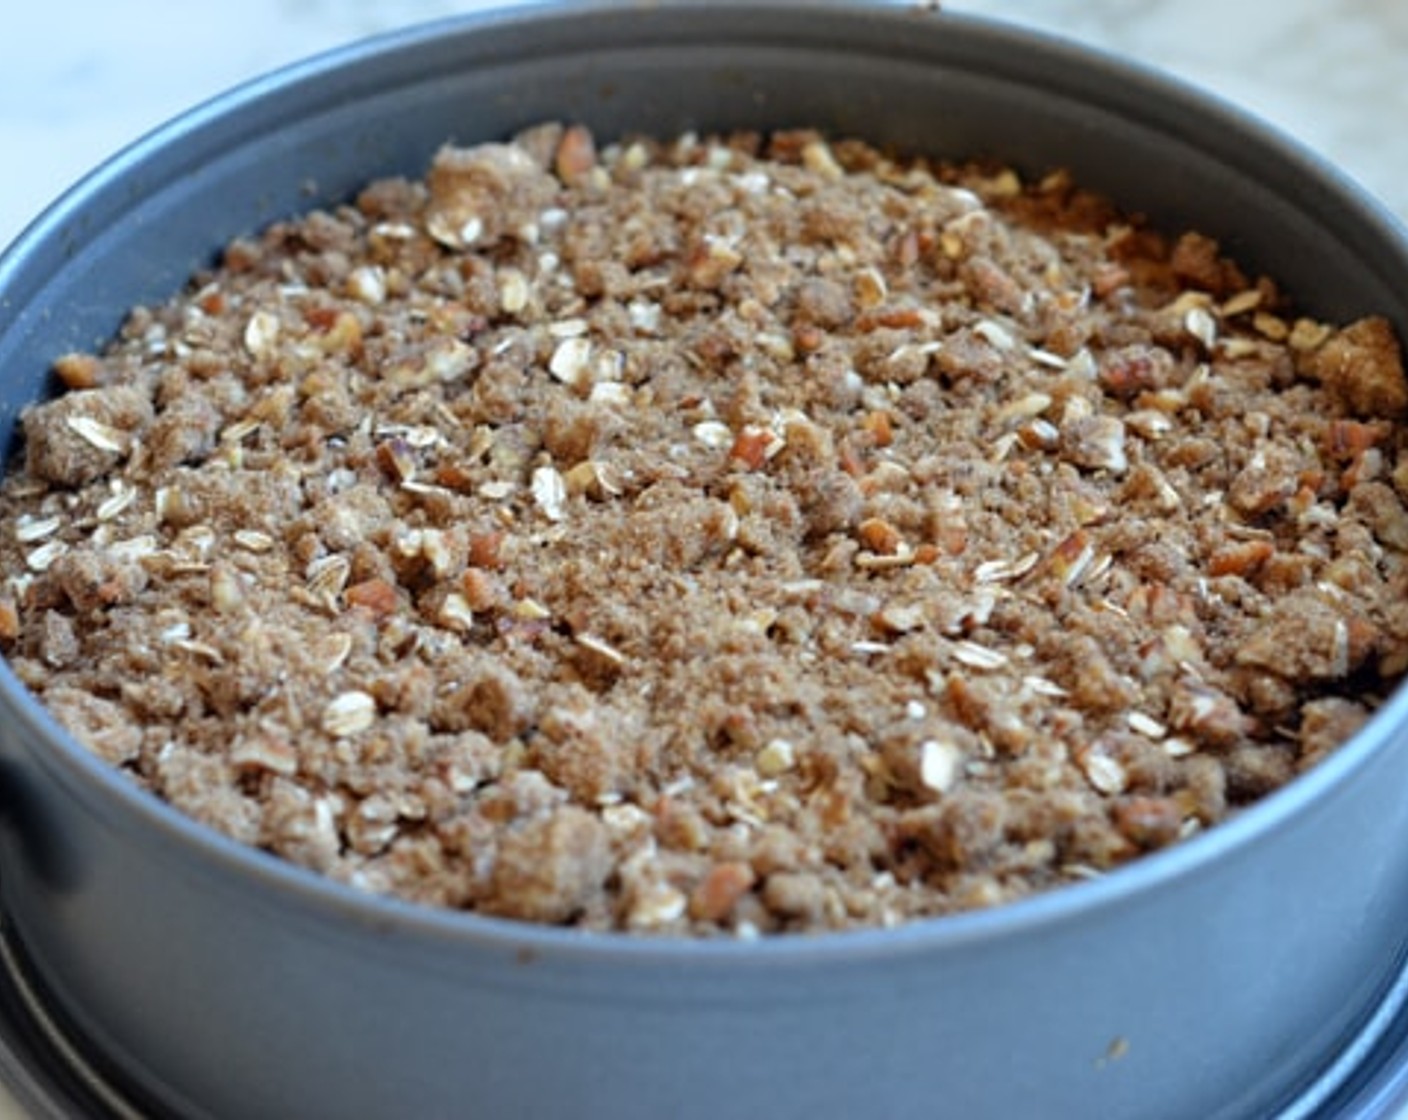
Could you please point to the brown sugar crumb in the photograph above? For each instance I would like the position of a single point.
(1362, 368)
(730, 535)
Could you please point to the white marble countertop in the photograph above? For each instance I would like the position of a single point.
(80, 78)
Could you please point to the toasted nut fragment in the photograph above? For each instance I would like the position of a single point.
(436, 549)
(711, 262)
(900, 618)
(485, 550)
(1071, 559)
(448, 361)
(1240, 557)
(719, 891)
(626, 821)
(582, 479)
(754, 446)
(1348, 439)
(261, 333)
(375, 596)
(1306, 334)
(395, 458)
(794, 894)
(610, 393)
(714, 434)
(818, 157)
(1096, 443)
(1148, 423)
(514, 291)
(79, 371)
(368, 285)
(776, 758)
(655, 906)
(1150, 822)
(871, 288)
(576, 154)
(880, 536)
(880, 427)
(345, 334)
(1202, 326)
(1108, 279)
(550, 493)
(226, 591)
(456, 612)
(1025, 407)
(482, 590)
(530, 610)
(9, 620)
(940, 765)
(571, 361)
(1039, 435)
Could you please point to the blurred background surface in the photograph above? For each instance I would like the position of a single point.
(81, 78)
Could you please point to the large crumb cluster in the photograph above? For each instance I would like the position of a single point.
(740, 535)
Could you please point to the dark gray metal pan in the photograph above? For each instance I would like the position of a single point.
(1224, 978)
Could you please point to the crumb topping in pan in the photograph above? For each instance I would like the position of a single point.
(727, 535)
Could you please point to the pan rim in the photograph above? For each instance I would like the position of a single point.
(105, 790)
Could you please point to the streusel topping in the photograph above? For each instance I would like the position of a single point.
(741, 535)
